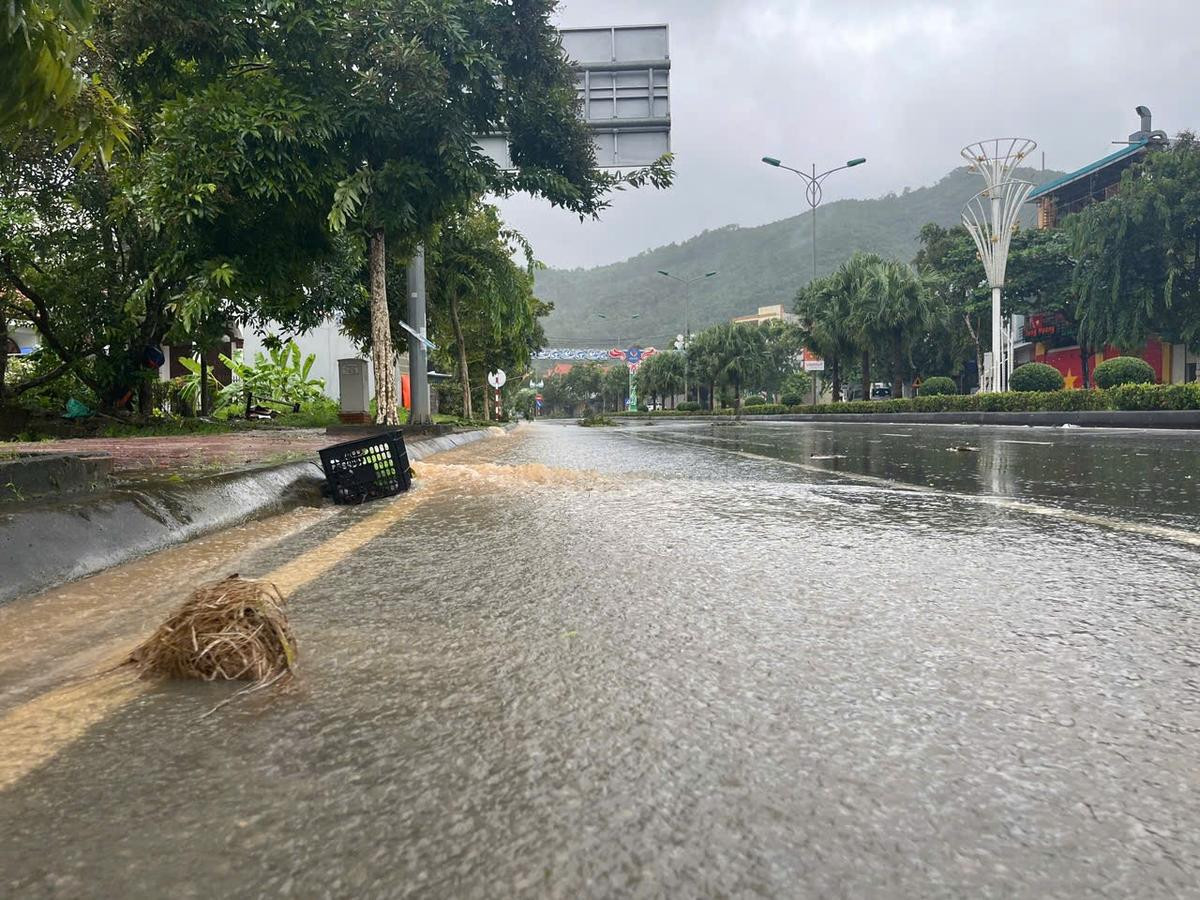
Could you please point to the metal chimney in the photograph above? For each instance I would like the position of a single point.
(1144, 132)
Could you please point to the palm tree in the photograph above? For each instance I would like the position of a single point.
(894, 309)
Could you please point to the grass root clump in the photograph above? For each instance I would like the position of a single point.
(233, 629)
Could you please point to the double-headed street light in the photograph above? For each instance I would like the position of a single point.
(687, 327)
(813, 191)
(619, 320)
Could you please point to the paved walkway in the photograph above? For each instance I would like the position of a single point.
(199, 451)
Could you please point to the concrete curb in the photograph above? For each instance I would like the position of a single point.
(1185, 419)
(70, 537)
(39, 474)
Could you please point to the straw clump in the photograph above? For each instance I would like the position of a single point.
(232, 629)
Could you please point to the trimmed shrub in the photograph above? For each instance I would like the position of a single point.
(938, 384)
(1123, 370)
(1155, 396)
(754, 400)
(688, 406)
(1035, 377)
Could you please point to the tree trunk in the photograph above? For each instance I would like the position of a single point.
(897, 366)
(836, 371)
(383, 357)
(463, 375)
(866, 374)
(1084, 356)
(205, 404)
(3, 353)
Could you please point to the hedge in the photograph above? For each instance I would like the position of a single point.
(1123, 397)
(938, 384)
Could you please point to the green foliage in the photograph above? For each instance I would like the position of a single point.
(796, 388)
(688, 406)
(1035, 377)
(1137, 253)
(1155, 396)
(755, 400)
(1123, 397)
(592, 419)
(938, 384)
(280, 374)
(1123, 370)
(188, 388)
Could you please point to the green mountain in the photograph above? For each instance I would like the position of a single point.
(757, 266)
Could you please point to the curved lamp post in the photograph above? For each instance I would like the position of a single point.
(813, 191)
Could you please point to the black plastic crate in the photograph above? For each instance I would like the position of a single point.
(368, 468)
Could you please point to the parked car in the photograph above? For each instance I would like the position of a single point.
(881, 392)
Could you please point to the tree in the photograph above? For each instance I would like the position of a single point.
(614, 386)
(1038, 281)
(43, 86)
(784, 346)
(733, 355)
(825, 325)
(1137, 254)
(474, 279)
(377, 106)
(894, 310)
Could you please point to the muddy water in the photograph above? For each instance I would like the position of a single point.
(685, 661)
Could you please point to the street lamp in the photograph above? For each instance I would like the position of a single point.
(813, 191)
(619, 319)
(687, 331)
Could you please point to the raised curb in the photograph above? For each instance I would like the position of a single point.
(38, 474)
(1184, 419)
(70, 537)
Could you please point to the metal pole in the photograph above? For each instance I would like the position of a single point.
(687, 290)
(997, 365)
(418, 358)
(813, 200)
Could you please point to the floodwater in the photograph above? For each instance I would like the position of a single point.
(669, 660)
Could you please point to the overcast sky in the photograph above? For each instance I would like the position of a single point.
(905, 83)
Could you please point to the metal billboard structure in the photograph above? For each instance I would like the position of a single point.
(623, 82)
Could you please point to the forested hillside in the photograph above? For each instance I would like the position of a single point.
(758, 266)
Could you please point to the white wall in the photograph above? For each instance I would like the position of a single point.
(326, 342)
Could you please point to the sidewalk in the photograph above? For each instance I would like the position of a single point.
(192, 451)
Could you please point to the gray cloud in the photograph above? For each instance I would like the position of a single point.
(904, 83)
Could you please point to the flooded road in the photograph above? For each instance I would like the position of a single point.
(669, 660)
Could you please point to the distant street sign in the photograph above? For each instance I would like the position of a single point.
(622, 78)
(812, 362)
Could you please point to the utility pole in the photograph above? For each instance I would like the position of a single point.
(418, 356)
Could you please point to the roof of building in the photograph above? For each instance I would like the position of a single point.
(1063, 180)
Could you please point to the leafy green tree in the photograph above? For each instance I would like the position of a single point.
(1137, 254)
(585, 381)
(784, 348)
(614, 386)
(478, 295)
(894, 311)
(373, 109)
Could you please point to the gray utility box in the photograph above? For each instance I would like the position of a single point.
(353, 393)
